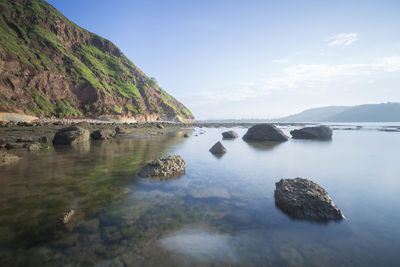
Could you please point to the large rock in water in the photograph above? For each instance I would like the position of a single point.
(313, 133)
(71, 135)
(229, 135)
(103, 134)
(218, 149)
(303, 199)
(7, 158)
(164, 167)
(265, 132)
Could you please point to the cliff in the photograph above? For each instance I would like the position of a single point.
(50, 67)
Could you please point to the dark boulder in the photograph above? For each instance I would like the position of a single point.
(218, 149)
(265, 132)
(71, 135)
(164, 167)
(303, 199)
(229, 135)
(313, 133)
(103, 134)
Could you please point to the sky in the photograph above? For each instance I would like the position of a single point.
(255, 59)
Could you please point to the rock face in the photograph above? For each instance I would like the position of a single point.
(303, 199)
(71, 135)
(7, 158)
(265, 132)
(164, 167)
(49, 66)
(218, 149)
(313, 133)
(229, 135)
(103, 134)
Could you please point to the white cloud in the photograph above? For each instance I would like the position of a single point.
(283, 60)
(300, 78)
(342, 39)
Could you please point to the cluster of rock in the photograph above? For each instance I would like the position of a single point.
(303, 199)
(164, 168)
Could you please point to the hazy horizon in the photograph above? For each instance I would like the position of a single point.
(258, 59)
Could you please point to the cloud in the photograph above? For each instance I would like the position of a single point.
(283, 60)
(342, 39)
(300, 78)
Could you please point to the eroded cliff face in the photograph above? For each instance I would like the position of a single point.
(50, 67)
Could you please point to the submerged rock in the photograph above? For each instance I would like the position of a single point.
(186, 135)
(66, 216)
(7, 158)
(265, 132)
(229, 135)
(103, 134)
(303, 199)
(313, 133)
(71, 135)
(218, 149)
(164, 167)
(160, 126)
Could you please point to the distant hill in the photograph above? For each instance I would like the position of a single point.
(50, 66)
(315, 114)
(387, 112)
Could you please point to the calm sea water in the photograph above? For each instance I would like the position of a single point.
(221, 212)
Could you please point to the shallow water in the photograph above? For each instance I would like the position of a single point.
(220, 212)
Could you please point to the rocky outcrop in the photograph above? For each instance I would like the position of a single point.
(7, 159)
(303, 199)
(265, 132)
(71, 135)
(50, 67)
(218, 149)
(313, 133)
(164, 168)
(103, 134)
(229, 135)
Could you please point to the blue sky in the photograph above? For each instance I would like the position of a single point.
(255, 59)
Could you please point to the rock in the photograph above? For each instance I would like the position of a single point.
(103, 134)
(265, 132)
(44, 139)
(218, 149)
(186, 135)
(160, 126)
(71, 135)
(33, 147)
(119, 130)
(24, 140)
(7, 158)
(313, 133)
(229, 135)
(303, 199)
(83, 124)
(164, 167)
(15, 145)
(66, 216)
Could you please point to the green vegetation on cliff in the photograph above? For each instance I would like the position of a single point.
(71, 71)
